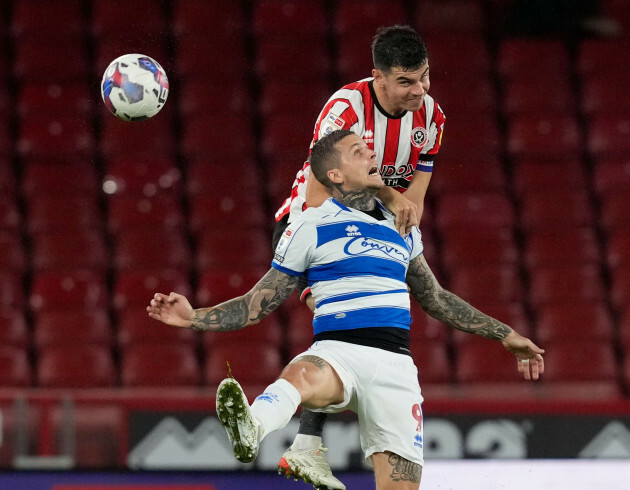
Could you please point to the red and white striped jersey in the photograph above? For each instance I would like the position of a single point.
(402, 143)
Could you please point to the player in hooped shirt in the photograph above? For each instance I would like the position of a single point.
(394, 115)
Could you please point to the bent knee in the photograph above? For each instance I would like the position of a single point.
(316, 380)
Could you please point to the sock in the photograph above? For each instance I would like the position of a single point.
(312, 423)
(303, 441)
(275, 406)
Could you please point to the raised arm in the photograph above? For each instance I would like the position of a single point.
(248, 309)
(449, 308)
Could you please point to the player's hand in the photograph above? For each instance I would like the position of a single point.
(174, 310)
(406, 215)
(529, 357)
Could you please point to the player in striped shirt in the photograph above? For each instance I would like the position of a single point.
(395, 116)
(359, 267)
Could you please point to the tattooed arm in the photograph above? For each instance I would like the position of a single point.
(236, 313)
(455, 312)
(448, 307)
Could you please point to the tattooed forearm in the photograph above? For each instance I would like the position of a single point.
(403, 469)
(448, 307)
(361, 200)
(262, 299)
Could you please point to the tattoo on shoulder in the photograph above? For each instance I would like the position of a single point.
(403, 469)
(318, 361)
(449, 308)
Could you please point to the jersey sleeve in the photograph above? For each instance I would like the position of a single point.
(434, 143)
(417, 247)
(293, 253)
(337, 114)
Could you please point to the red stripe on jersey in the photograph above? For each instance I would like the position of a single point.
(440, 119)
(392, 138)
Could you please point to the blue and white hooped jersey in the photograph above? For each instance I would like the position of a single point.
(355, 264)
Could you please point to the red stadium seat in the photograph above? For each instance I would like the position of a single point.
(199, 55)
(566, 247)
(7, 176)
(531, 175)
(67, 137)
(203, 18)
(76, 367)
(474, 210)
(133, 289)
(230, 137)
(612, 174)
(457, 176)
(455, 17)
(12, 289)
(206, 177)
(485, 138)
(208, 212)
(577, 360)
(277, 58)
(15, 369)
(620, 288)
(544, 135)
(562, 284)
(354, 18)
(143, 18)
(483, 361)
(59, 178)
(65, 327)
(478, 248)
(151, 139)
(424, 327)
(614, 211)
(556, 209)
(450, 95)
(250, 247)
(618, 249)
(251, 364)
(160, 366)
(603, 94)
(53, 99)
(12, 253)
(77, 289)
(9, 214)
(353, 60)
(143, 247)
(135, 327)
(290, 21)
(35, 20)
(228, 100)
(489, 283)
(445, 55)
(62, 213)
(521, 96)
(280, 150)
(127, 212)
(280, 97)
(268, 332)
(434, 365)
(609, 135)
(77, 250)
(14, 330)
(142, 176)
(62, 61)
(516, 57)
(601, 56)
(562, 322)
(218, 285)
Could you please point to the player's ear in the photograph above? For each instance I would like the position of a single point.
(378, 75)
(335, 176)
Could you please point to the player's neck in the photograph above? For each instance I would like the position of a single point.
(360, 200)
(383, 101)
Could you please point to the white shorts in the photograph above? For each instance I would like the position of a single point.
(382, 388)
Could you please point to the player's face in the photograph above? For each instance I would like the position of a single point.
(359, 165)
(403, 90)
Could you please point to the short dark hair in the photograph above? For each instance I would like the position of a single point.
(398, 47)
(325, 156)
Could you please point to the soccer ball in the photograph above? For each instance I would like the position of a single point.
(134, 87)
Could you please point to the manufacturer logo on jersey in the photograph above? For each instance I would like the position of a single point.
(417, 440)
(332, 123)
(353, 230)
(419, 137)
(368, 136)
